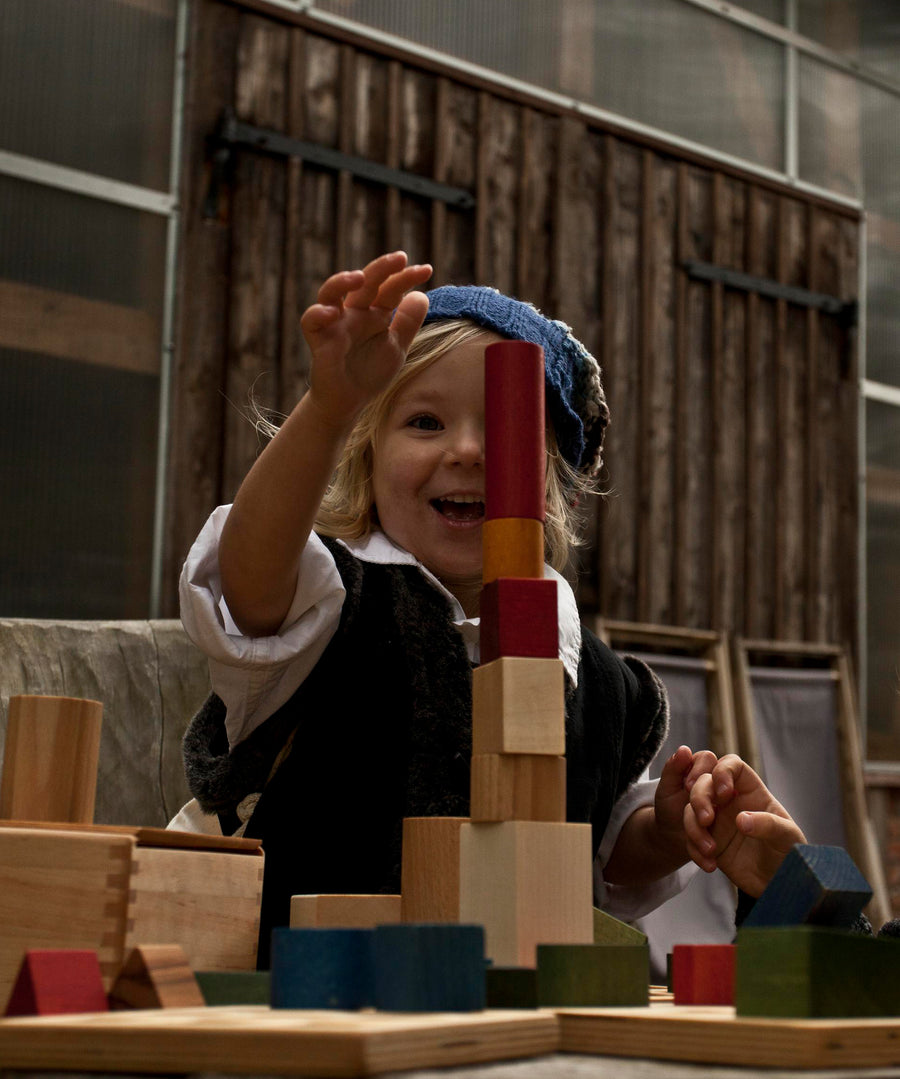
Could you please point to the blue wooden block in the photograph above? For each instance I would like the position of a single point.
(322, 968)
(429, 967)
(814, 885)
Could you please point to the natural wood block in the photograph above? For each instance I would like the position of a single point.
(511, 987)
(703, 973)
(512, 547)
(609, 930)
(518, 617)
(518, 786)
(343, 911)
(221, 987)
(815, 885)
(815, 972)
(108, 890)
(527, 883)
(429, 968)
(56, 981)
(50, 759)
(322, 968)
(156, 976)
(429, 874)
(518, 706)
(593, 975)
(514, 423)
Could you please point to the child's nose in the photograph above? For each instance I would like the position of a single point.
(468, 447)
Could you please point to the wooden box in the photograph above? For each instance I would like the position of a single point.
(111, 888)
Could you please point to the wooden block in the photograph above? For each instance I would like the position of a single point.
(512, 547)
(322, 968)
(429, 968)
(343, 911)
(814, 885)
(609, 930)
(518, 786)
(527, 883)
(156, 976)
(514, 423)
(518, 617)
(815, 972)
(429, 873)
(511, 987)
(703, 973)
(518, 706)
(593, 975)
(222, 987)
(54, 981)
(50, 759)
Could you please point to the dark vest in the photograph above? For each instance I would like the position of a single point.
(381, 730)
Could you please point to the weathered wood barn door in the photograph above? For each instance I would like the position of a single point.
(719, 305)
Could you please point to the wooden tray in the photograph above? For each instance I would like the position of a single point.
(257, 1040)
(713, 1035)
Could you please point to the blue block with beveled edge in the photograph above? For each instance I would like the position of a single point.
(424, 967)
(322, 968)
(814, 885)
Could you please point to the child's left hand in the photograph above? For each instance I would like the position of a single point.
(733, 823)
(678, 777)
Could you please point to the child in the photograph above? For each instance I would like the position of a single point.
(338, 599)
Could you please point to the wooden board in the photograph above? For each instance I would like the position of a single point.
(712, 1035)
(247, 1039)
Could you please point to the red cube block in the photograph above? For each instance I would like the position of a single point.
(703, 973)
(518, 618)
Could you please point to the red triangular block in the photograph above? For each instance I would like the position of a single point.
(52, 981)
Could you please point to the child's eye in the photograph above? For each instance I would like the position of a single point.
(425, 423)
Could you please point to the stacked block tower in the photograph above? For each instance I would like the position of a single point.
(525, 874)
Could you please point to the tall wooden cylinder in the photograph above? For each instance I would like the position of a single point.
(50, 759)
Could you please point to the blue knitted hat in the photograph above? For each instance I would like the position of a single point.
(575, 399)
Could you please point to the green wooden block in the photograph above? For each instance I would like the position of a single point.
(511, 987)
(233, 986)
(609, 930)
(813, 972)
(576, 975)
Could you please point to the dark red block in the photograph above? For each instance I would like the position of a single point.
(514, 446)
(703, 973)
(58, 980)
(518, 618)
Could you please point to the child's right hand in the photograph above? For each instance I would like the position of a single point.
(359, 332)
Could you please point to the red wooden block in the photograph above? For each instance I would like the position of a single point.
(514, 449)
(52, 981)
(518, 618)
(703, 973)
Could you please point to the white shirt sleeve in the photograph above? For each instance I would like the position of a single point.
(623, 901)
(255, 676)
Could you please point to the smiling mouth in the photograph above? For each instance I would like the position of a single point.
(459, 509)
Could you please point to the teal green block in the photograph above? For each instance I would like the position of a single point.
(233, 986)
(511, 987)
(609, 930)
(593, 975)
(812, 972)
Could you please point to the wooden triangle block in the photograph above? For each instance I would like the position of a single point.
(156, 976)
(52, 981)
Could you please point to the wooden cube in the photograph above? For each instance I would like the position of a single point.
(593, 975)
(518, 706)
(343, 911)
(527, 883)
(512, 547)
(518, 617)
(703, 973)
(518, 786)
(429, 968)
(110, 889)
(429, 874)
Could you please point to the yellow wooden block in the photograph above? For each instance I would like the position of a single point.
(344, 911)
(429, 876)
(518, 706)
(527, 883)
(512, 547)
(518, 786)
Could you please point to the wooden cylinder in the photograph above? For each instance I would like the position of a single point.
(515, 456)
(512, 547)
(50, 759)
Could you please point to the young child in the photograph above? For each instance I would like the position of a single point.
(337, 600)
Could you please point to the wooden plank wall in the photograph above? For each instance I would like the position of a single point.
(731, 460)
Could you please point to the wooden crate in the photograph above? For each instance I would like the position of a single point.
(110, 889)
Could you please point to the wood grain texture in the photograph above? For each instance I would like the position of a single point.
(518, 786)
(156, 976)
(518, 706)
(322, 968)
(344, 911)
(429, 968)
(518, 618)
(703, 973)
(512, 547)
(593, 975)
(429, 872)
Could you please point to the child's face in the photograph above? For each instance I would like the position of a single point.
(428, 475)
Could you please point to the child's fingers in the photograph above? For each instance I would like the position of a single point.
(408, 318)
(374, 276)
(702, 804)
(671, 778)
(399, 284)
(702, 763)
(334, 290)
(779, 833)
(317, 318)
